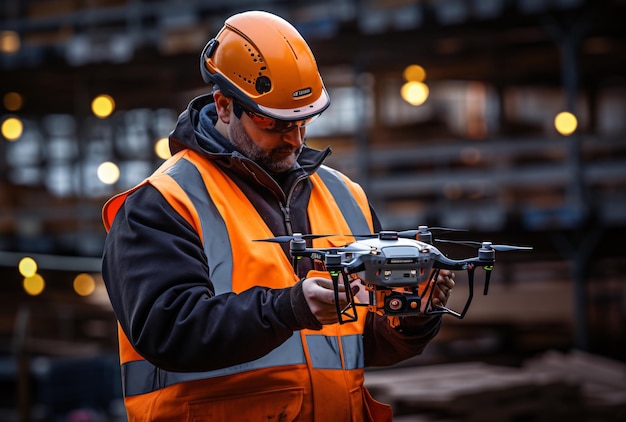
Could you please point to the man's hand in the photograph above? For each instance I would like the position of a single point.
(443, 287)
(320, 296)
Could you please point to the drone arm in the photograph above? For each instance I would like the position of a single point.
(467, 264)
(446, 263)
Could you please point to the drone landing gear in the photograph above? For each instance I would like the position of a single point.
(348, 313)
(440, 309)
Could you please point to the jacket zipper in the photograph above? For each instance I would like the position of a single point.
(285, 207)
(287, 217)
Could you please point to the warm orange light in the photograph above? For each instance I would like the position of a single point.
(13, 101)
(162, 148)
(34, 285)
(414, 73)
(9, 42)
(84, 284)
(102, 106)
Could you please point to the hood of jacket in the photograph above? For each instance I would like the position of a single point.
(195, 130)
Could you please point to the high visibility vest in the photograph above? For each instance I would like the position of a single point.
(314, 375)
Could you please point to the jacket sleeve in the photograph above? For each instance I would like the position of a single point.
(384, 345)
(156, 275)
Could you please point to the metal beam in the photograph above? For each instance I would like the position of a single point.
(53, 262)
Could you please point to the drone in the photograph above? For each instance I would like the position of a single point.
(398, 268)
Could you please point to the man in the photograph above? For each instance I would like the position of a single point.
(213, 325)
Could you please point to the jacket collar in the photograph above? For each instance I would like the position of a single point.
(196, 130)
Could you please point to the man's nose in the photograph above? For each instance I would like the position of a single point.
(294, 137)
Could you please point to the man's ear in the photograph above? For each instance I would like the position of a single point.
(224, 106)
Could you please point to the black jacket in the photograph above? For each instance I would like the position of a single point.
(156, 272)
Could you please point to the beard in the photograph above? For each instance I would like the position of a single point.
(275, 160)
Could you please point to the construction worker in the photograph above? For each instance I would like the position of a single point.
(214, 326)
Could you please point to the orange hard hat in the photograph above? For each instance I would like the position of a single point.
(263, 62)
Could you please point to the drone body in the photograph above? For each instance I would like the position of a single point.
(398, 270)
(392, 262)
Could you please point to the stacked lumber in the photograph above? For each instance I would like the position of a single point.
(573, 387)
(602, 380)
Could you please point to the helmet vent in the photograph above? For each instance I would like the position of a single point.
(256, 57)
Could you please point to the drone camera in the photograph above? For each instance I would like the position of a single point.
(402, 304)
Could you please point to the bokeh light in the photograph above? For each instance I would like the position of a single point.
(108, 173)
(84, 284)
(414, 93)
(34, 285)
(27, 267)
(12, 128)
(565, 123)
(9, 42)
(102, 106)
(414, 73)
(12, 101)
(162, 148)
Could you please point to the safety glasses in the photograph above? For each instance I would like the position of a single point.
(269, 123)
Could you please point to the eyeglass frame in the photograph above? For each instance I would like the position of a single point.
(272, 124)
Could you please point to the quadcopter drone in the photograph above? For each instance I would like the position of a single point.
(398, 269)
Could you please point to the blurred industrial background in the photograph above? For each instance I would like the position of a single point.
(503, 117)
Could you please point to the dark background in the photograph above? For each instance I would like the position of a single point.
(480, 154)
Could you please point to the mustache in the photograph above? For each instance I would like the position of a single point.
(288, 148)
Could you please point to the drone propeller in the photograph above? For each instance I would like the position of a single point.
(295, 236)
(300, 237)
(407, 234)
(362, 236)
(346, 248)
(412, 234)
(487, 245)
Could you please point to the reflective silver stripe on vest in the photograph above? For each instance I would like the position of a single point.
(325, 353)
(141, 377)
(353, 351)
(348, 205)
(216, 246)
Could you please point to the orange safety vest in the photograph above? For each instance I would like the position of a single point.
(314, 375)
